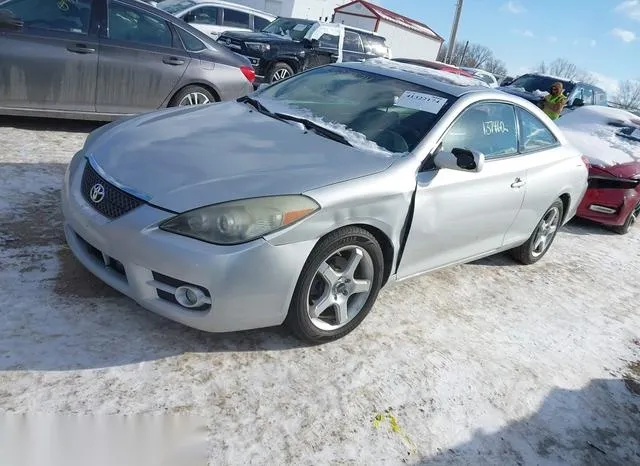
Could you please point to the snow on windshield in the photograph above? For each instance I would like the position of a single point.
(356, 139)
(445, 76)
(593, 130)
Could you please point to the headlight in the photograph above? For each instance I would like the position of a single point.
(259, 47)
(241, 221)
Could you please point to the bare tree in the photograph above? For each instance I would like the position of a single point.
(475, 56)
(563, 68)
(628, 96)
(495, 66)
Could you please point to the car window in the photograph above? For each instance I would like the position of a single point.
(579, 93)
(191, 43)
(204, 15)
(259, 23)
(600, 98)
(132, 25)
(374, 45)
(352, 42)
(489, 128)
(61, 15)
(534, 134)
(587, 96)
(328, 41)
(236, 19)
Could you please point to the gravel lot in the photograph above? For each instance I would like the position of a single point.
(486, 363)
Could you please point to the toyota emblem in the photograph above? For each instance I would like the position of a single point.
(97, 193)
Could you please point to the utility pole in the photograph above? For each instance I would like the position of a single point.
(454, 31)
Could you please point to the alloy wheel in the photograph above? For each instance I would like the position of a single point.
(194, 98)
(281, 74)
(545, 232)
(340, 288)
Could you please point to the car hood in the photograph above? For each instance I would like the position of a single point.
(625, 171)
(184, 158)
(256, 37)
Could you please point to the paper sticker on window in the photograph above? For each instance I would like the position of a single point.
(419, 101)
(299, 27)
(494, 127)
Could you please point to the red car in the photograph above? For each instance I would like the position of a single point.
(609, 138)
(613, 196)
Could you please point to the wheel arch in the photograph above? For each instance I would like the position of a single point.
(293, 62)
(566, 204)
(208, 86)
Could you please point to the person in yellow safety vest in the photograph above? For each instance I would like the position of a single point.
(553, 103)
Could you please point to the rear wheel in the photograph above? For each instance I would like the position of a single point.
(629, 222)
(279, 71)
(192, 95)
(337, 287)
(542, 237)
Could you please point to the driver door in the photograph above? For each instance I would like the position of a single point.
(462, 215)
(51, 63)
(323, 52)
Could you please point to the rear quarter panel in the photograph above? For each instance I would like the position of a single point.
(226, 81)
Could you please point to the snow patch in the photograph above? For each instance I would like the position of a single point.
(593, 131)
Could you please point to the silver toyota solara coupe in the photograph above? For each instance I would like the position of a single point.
(296, 204)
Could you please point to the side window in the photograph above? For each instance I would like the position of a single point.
(328, 41)
(534, 134)
(588, 96)
(489, 128)
(204, 15)
(62, 15)
(236, 19)
(352, 42)
(260, 23)
(579, 93)
(132, 25)
(191, 43)
(374, 46)
(600, 98)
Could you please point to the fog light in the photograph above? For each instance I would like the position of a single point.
(602, 209)
(189, 296)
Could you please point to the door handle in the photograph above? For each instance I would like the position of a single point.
(518, 183)
(173, 61)
(80, 48)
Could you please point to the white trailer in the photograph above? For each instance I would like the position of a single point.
(407, 38)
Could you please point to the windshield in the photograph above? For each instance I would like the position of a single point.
(175, 6)
(294, 29)
(533, 83)
(372, 111)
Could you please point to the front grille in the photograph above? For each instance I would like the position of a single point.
(114, 202)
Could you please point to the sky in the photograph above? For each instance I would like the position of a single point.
(600, 36)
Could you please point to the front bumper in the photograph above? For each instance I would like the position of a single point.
(250, 285)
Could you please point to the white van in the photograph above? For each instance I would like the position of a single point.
(214, 17)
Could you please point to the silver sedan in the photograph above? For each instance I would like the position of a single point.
(298, 203)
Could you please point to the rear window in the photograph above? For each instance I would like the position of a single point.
(532, 83)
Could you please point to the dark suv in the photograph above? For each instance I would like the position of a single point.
(288, 46)
(532, 86)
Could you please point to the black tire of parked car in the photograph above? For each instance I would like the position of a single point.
(298, 319)
(280, 71)
(192, 89)
(629, 222)
(525, 252)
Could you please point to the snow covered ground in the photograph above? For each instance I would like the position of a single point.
(486, 363)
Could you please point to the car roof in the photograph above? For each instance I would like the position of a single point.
(223, 3)
(442, 81)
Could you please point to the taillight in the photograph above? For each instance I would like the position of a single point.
(248, 73)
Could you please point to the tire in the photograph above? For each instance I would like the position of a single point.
(203, 95)
(278, 72)
(531, 251)
(325, 309)
(629, 222)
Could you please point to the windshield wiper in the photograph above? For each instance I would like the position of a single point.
(259, 107)
(316, 128)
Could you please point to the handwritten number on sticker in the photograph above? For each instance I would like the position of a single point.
(490, 128)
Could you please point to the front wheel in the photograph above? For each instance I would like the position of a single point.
(540, 240)
(338, 286)
(278, 72)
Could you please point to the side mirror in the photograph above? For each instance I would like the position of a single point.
(506, 82)
(578, 103)
(460, 159)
